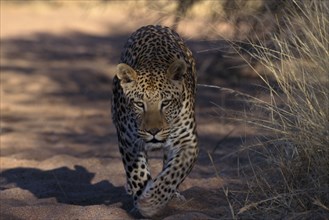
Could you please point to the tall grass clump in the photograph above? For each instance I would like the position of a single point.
(293, 178)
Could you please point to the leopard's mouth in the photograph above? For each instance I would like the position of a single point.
(155, 141)
(153, 144)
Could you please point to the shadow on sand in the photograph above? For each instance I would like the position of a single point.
(66, 185)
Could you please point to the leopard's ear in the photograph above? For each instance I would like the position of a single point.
(126, 74)
(176, 70)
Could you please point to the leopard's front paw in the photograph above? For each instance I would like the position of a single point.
(146, 205)
(179, 196)
(128, 189)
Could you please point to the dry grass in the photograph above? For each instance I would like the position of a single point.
(293, 178)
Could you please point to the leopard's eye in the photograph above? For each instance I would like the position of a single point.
(165, 103)
(139, 104)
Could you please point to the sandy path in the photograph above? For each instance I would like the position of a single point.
(59, 156)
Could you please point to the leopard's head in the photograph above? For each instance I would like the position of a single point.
(154, 99)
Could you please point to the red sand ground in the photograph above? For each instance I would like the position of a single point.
(59, 155)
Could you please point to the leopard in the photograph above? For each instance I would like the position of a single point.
(153, 108)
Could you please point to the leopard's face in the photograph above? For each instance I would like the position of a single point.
(154, 102)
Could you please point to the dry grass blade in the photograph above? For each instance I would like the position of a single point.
(295, 166)
(320, 204)
(225, 190)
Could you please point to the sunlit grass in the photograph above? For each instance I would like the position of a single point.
(293, 180)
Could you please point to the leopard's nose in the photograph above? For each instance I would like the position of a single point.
(154, 131)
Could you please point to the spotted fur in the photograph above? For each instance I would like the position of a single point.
(153, 108)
